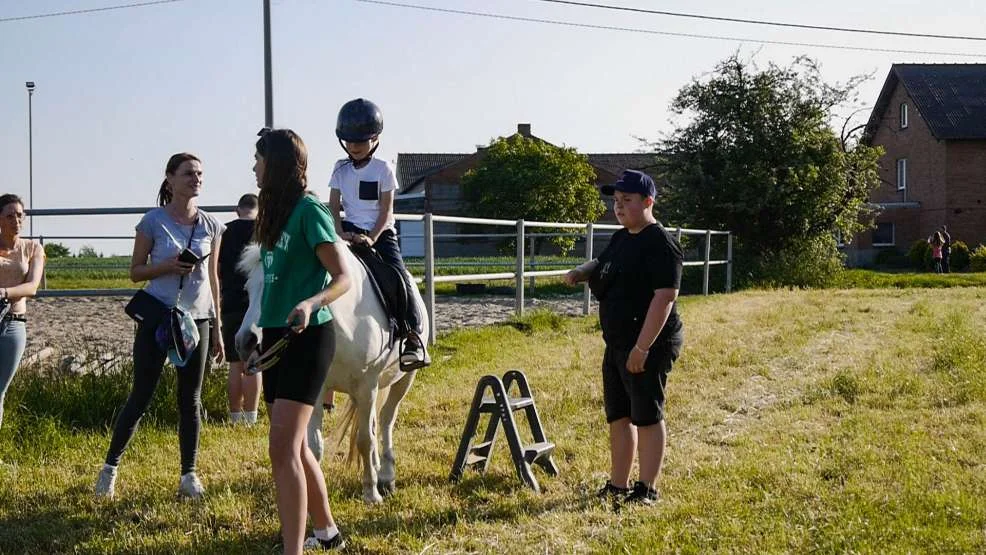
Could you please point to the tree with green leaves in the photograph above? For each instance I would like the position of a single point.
(56, 250)
(88, 251)
(758, 157)
(527, 178)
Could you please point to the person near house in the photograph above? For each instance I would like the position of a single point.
(636, 280)
(243, 390)
(21, 267)
(162, 235)
(946, 250)
(937, 243)
(303, 273)
(364, 187)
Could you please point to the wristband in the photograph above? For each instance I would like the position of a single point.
(639, 350)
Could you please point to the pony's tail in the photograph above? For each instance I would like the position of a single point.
(349, 426)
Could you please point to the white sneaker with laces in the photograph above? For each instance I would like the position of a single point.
(190, 486)
(106, 483)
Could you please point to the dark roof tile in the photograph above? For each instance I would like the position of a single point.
(950, 97)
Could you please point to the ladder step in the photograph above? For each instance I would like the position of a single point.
(479, 453)
(536, 451)
(516, 403)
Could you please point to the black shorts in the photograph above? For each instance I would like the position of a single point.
(639, 397)
(303, 365)
(231, 325)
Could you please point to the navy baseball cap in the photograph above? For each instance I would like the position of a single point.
(632, 182)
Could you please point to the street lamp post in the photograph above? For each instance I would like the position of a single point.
(30, 155)
(268, 81)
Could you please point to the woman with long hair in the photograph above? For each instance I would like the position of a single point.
(937, 242)
(162, 234)
(22, 263)
(303, 273)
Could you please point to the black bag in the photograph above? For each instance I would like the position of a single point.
(146, 309)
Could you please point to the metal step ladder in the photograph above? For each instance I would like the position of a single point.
(500, 406)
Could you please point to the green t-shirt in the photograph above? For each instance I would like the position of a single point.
(292, 271)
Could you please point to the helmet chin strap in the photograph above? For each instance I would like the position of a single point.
(359, 163)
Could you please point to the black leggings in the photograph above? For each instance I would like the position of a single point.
(148, 365)
(390, 251)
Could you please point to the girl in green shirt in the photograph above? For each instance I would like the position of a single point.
(303, 273)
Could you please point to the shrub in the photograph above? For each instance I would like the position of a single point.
(56, 250)
(977, 261)
(920, 255)
(814, 262)
(959, 260)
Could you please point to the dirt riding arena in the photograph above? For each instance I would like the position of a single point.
(94, 332)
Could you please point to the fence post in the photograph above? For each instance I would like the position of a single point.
(519, 277)
(586, 294)
(729, 262)
(677, 235)
(44, 270)
(708, 254)
(532, 284)
(430, 276)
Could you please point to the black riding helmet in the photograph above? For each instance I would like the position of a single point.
(359, 120)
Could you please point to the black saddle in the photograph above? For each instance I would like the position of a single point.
(388, 285)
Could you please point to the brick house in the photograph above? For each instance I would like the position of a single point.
(931, 121)
(433, 183)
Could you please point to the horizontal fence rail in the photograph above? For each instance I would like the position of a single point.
(587, 232)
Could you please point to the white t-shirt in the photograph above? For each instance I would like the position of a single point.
(361, 190)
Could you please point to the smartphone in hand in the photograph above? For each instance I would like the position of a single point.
(189, 257)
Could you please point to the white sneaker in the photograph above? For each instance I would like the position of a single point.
(106, 483)
(335, 543)
(190, 486)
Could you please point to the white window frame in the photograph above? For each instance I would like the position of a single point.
(903, 115)
(902, 174)
(839, 242)
(893, 235)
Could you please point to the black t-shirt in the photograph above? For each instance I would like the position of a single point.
(630, 269)
(231, 282)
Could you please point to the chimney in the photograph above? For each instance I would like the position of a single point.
(524, 129)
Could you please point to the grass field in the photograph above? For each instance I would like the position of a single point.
(799, 421)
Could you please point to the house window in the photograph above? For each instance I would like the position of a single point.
(883, 235)
(901, 174)
(839, 241)
(903, 116)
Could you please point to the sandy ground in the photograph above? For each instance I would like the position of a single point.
(76, 326)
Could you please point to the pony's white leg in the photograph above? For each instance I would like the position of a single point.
(315, 441)
(388, 416)
(366, 442)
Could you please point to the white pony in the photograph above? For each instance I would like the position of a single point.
(365, 367)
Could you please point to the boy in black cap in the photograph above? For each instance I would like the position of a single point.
(636, 280)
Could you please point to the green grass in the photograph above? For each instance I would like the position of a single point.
(799, 421)
(870, 279)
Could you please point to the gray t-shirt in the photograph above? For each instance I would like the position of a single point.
(168, 239)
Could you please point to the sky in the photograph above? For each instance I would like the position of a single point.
(119, 91)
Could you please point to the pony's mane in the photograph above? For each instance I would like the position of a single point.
(249, 263)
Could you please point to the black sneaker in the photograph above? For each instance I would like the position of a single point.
(609, 491)
(413, 355)
(641, 494)
(335, 543)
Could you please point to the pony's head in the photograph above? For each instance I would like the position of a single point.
(248, 336)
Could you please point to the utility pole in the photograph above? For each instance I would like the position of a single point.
(268, 85)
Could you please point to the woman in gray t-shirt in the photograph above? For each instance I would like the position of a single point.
(162, 234)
